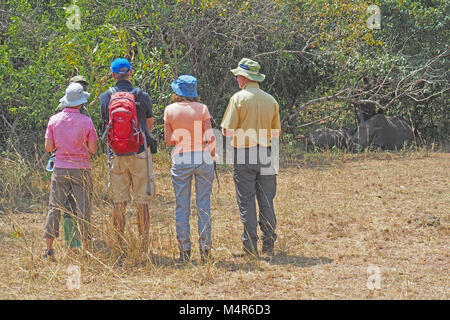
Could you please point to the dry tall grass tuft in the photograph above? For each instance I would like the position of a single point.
(340, 216)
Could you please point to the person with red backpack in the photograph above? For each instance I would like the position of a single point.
(128, 118)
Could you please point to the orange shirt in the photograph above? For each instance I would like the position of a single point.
(187, 125)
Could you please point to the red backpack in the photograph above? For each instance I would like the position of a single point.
(124, 134)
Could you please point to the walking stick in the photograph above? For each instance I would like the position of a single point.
(217, 177)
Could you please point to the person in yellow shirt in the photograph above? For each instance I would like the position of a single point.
(252, 119)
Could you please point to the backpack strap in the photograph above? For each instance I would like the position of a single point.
(136, 92)
(108, 161)
(149, 189)
(111, 91)
(106, 131)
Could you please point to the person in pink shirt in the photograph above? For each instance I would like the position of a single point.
(73, 136)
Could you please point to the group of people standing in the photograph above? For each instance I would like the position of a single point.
(187, 126)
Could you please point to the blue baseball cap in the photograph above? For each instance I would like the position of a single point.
(119, 64)
(185, 86)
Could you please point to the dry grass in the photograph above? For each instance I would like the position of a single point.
(337, 215)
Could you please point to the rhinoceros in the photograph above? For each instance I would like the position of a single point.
(326, 138)
(381, 131)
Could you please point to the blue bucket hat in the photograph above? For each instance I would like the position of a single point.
(119, 64)
(186, 86)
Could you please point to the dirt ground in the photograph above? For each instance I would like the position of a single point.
(357, 227)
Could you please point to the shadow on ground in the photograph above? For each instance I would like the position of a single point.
(278, 259)
(283, 259)
(238, 262)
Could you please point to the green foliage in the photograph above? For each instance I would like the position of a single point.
(421, 31)
(308, 49)
(41, 54)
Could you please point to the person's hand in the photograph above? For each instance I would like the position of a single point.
(216, 158)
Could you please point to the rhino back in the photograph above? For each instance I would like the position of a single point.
(384, 132)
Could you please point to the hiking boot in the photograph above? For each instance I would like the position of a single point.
(268, 249)
(49, 254)
(204, 255)
(185, 257)
(251, 254)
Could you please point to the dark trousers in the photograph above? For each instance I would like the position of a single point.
(251, 185)
(62, 181)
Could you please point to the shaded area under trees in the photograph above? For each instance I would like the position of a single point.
(322, 63)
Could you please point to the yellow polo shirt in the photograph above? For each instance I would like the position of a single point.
(252, 113)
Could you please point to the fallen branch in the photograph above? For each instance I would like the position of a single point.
(315, 121)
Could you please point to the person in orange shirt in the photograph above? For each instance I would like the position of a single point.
(187, 126)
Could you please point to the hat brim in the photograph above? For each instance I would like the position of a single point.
(82, 82)
(74, 103)
(255, 77)
(183, 92)
(122, 72)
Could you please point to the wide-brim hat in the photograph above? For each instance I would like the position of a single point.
(185, 86)
(249, 69)
(75, 95)
(79, 79)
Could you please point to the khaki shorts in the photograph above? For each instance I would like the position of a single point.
(130, 172)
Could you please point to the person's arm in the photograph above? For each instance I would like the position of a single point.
(227, 132)
(49, 142)
(168, 130)
(208, 133)
(104, 110)
(276, 133)
(209, 136)
(230, 120)
(146, 105)
(150, 123)
(91, 139)
(276, 124)
(168, 134)
(91, 146)
(49, 145)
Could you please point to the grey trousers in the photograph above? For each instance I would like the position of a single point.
(182, 175)
(62, 181)
(251, 184)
